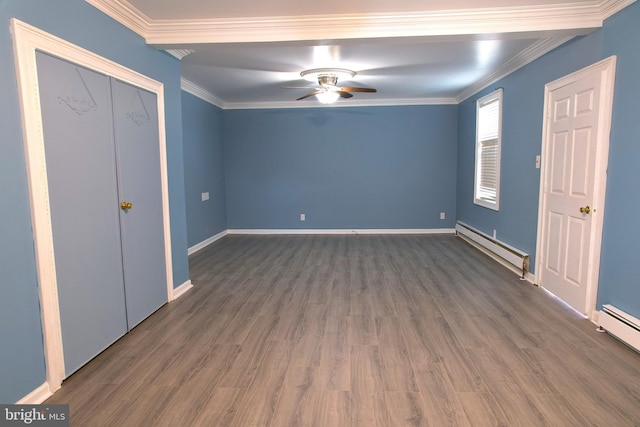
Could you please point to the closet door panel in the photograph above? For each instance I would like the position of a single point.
(138, 154)
(81, 171)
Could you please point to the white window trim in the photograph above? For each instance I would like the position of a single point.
(497, 94)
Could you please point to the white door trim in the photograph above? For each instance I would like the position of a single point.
(28, 39)
(606, 68)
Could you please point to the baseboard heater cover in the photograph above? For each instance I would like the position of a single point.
(621, 325)
(512, 256)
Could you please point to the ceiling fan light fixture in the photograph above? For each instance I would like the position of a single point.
(314, 74)
(329, 91)
(328, 97)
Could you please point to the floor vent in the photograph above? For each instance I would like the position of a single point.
(621, 325)
(508, 255)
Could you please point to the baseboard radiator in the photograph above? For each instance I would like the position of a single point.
(508, 255)
(621, 325)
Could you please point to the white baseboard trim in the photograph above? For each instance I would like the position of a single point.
(531, 278)
(181, 290)
(195, 248)
(37, 396)
(345, 231)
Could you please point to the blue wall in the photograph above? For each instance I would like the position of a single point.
(380, 167)
(619, 284)
(21, 352)
(204, 169)
(517, 221)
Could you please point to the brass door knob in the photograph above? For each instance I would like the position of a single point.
(126, 205)
(585, 210)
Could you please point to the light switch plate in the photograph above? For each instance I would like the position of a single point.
(205, 196)
(538, 161)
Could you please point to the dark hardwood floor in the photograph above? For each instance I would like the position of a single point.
(357, 330)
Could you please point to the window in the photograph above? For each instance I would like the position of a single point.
(488, 140)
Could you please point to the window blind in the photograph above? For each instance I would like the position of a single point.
(488, 173)
(488, 149)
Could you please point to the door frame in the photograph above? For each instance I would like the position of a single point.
(27, 39)
(606, 68)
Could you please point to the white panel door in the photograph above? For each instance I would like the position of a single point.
(568, 189)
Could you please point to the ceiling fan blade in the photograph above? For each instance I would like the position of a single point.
(297, 87)
(309, 95)
(358, 89)
(344, 94)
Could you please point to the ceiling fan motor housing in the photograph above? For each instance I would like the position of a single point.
(327, 80)
(329, 91)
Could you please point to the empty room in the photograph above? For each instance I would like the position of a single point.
(327, 214)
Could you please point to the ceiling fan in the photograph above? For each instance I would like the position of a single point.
(329, 91)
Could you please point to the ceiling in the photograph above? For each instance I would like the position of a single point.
(240, 54)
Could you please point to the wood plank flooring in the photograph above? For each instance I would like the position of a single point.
(361, 331)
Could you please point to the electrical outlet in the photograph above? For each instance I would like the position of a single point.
(303, 217)
(442, 215)
(205, 196)
(538, 161)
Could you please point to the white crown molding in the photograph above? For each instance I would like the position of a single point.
(125, 13)
(611, 7)
(530, 54)
(418, 24)
(211, 98)
(350, 103)
(530, 19)
(179, 53)
(315, 27)
(201, 93)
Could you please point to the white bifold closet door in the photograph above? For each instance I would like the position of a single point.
(102, 150)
